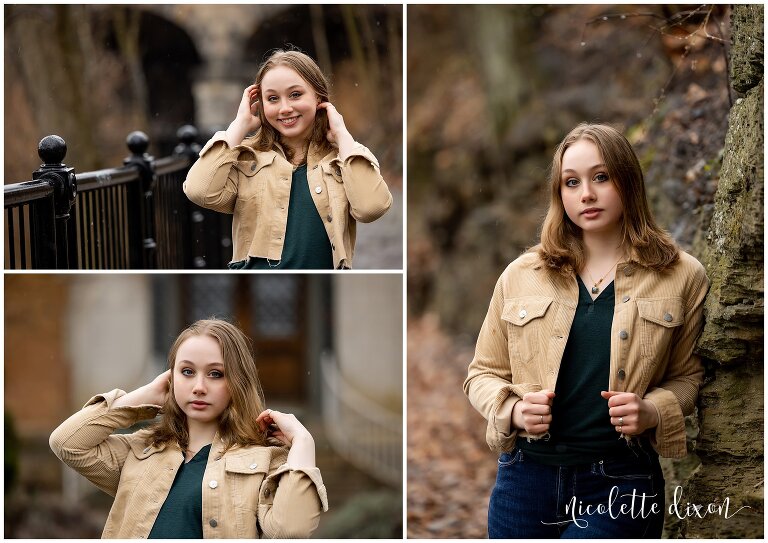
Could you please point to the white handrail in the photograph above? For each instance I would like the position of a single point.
(363, 432)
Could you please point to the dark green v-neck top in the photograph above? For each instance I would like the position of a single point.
(581, 430)
(306, 245)
(181, 516)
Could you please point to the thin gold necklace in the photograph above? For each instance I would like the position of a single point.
(596, 284)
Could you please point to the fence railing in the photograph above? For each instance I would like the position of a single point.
(135, 216)
(360, 430)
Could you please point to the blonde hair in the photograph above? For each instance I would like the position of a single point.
(562, 247)
(310, 72)
(237, 424)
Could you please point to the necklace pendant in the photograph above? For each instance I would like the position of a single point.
(595, 289)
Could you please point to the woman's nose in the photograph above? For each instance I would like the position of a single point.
(285, 106)
(199, 387)
(587, 192)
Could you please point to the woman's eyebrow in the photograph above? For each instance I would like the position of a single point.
(206, 365)
(595, 167)
(296, 86)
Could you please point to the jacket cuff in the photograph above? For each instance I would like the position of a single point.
(312, 473)
(128, 415)
(357, 150)
(503, 421)
(669, 436)
(499, 433)
(221, 136)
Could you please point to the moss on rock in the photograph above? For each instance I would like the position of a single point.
(731, 414)
(747, 46)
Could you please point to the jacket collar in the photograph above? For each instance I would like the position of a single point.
(142, 451)
(315, 154)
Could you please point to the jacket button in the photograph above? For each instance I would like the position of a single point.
(253, 167)
(329, 218)
(623, 334)
(318, 189)
(523, 313)
(625, 299)
(213, 523)
(333, 247)
(253, 466)
(667, 317)
(213, 484)
(622, 374)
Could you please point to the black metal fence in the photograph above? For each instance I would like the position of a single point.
(132, 217)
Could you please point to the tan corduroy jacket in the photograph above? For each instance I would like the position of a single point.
(656, 321)
(247, 492)
(255, 186)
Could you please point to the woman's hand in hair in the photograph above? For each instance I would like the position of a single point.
(287, 428)
(283, 426)
(534, 412)
(247, 119)
(338, 134)
(630, 414)
(153, 393)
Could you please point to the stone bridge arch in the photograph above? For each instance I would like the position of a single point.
(220, 33)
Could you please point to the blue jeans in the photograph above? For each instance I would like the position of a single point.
(606, 499)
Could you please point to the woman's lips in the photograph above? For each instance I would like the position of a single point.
(290, 121)
(591, 213)
(199, 405)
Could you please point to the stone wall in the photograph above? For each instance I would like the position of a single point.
(730, 416)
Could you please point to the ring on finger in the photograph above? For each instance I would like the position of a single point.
(621, 421)
(542, 420)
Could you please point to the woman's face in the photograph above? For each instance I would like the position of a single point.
(290, 104)
(589, 196)
(199, 382)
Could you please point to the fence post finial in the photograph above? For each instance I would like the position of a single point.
(52, 150)
(138, 143)
(188, 145)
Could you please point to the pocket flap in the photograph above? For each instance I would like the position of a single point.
(520, 311)
(664, 311)
(247, 463)
(249, 168)
(333, 170)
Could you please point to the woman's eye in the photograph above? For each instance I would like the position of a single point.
(295, 94)
(601, 177)
(216, 374)
(572, 182)
(272, 99)
(186, 371)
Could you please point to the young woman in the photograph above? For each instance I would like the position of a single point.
(297, 186)
(216, 465)
(584, 366)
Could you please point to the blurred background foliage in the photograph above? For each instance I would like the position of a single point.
(485, 114)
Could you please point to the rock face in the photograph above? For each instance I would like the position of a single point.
(730, 441)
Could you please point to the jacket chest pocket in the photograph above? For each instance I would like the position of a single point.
(525, 318)
(659, 318)
(244, 476)
(250, 181)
